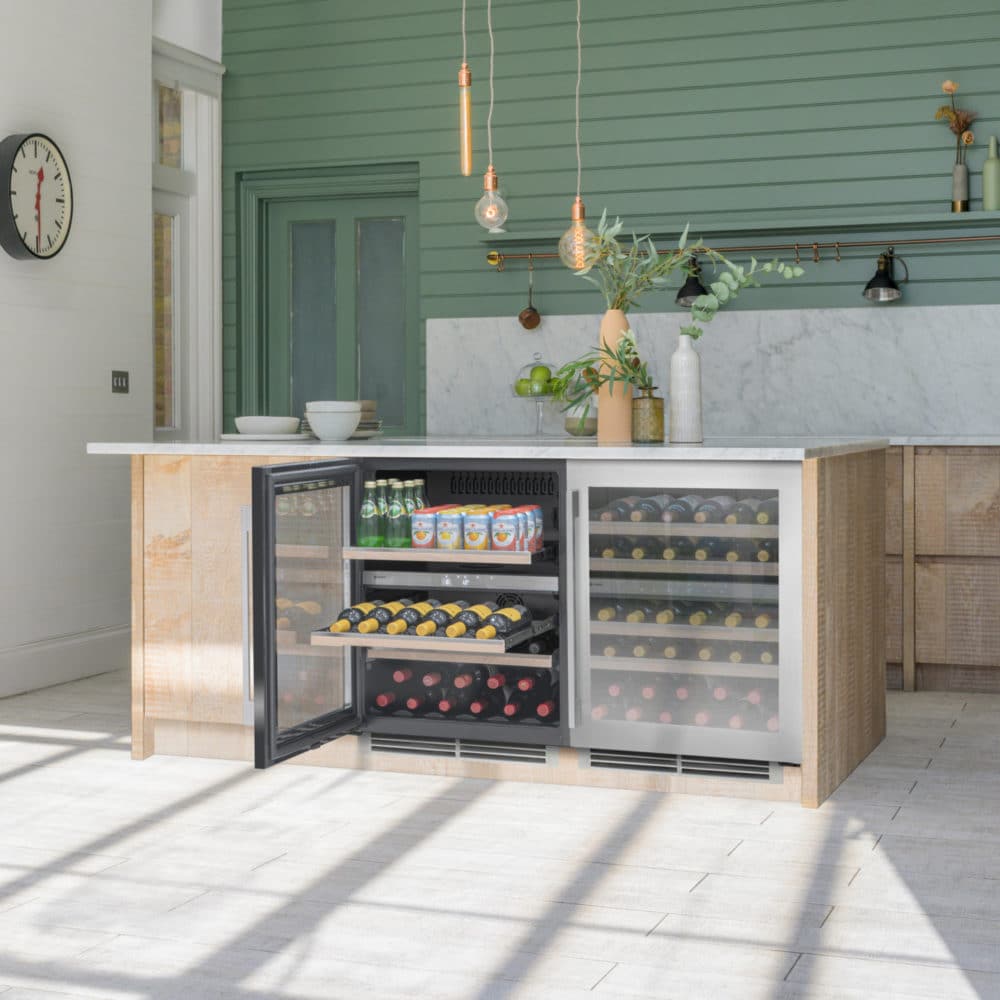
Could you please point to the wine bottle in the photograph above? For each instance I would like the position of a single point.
(403, 675)
(710, 548)
(705, 614)
(548, 708)
(471, 618)
(740, 550)
(615, 689)
(641, 650)
(650, 508)
(754, 696)
(706, 652)
(767, 511)
(670, 613)
(767, 551)
(381, 615)
(424, 702)
(744, 512)
(536, 681)
(682, 509)
(599, 712)
(642, 613)
(455, 701)
(431, 679)
(646, 548)
(650, 691)
(772, 724)
(619, 510)
(518, 705)
(542, 644)
(350, 617)
(714, 510)
(637, 712)
(439, 617)
(385, 699)
(765, 619)
(735, 617)
(676, 649)
(735, 654)
(487, 704)
(504, 622)
(471, 677)
(719, 690)
(409, 615)
(766, 655)
(498, 680)
(610, 647)
(619, 547)
(604, 612)
(679, 548)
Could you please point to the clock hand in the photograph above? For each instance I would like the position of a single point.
(38, 208)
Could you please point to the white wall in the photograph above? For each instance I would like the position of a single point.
(192, 24)
(64, 325)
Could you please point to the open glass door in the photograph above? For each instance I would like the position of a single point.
(304, 695)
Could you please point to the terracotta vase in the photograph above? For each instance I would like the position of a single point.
(614, 409)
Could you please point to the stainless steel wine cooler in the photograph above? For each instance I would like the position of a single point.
(687, 599)
(313, 685)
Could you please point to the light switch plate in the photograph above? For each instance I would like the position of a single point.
(119, 381)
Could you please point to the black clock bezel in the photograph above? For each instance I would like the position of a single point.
(10, 238)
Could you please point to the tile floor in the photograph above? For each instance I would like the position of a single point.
(182, 879)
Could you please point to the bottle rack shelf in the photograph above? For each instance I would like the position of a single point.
(684, 529)
(470, 648)
(741, 633)
(519, 661)
(708, 567)
(754, 671)
(473, 557)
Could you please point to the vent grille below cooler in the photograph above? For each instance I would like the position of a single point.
(462, 749)
(718, 767)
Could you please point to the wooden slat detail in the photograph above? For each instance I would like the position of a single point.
(893, 609)
(219, 487)
(894, 501)
(958, 501)
(843, 640)
(166, 581)
(142, 735)
(909, 599)
(958, 612)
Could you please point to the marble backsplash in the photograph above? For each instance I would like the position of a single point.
(886, 371)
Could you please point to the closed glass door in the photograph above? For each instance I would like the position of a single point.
(342, 307)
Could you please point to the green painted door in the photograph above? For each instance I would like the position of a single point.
(341, 306)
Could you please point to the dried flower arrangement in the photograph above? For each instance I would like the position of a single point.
(958, 121)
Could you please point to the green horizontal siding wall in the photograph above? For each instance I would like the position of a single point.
(785, 115)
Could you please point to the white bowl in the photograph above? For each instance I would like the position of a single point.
(334, 406)
(267, 425)
(334, 426)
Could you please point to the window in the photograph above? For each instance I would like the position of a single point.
(186, 238)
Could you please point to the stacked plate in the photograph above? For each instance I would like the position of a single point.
(369, 425)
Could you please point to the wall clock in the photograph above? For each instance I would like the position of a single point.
(36, 207)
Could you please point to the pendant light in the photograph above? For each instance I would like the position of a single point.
(574, 245)
(883, 287)
(692, 287)
(491, 209)
(464, 108)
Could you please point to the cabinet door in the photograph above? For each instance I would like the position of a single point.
(688, 630)
(304, 695)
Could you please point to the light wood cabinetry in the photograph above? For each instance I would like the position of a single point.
(948, 582)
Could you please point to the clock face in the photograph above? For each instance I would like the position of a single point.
(35, 218)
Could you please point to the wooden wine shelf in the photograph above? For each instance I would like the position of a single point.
(302, 552)
(684, 529)
(690, 567)
(473, 557)
(756, 671)
(469, 648)
(287, 642)
(742, 633)
(526, 661)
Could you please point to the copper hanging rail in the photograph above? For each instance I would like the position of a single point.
(497, 259)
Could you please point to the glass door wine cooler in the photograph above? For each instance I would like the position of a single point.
(688, 608)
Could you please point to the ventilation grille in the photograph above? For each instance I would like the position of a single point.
(462, 749)
(718, 767)
(503, 484)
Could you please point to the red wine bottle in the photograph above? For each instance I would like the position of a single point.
(487, 704)
(714, 510)
(767, 511)
(744, 512)
(548, 708)
(682, 509)
(679, 547)
(619, 510)
(538, 682)
(495, 682)
(650, 508)
(767, 551)
(385, 700)
(710, 548)
(471, 677)
(455, 701)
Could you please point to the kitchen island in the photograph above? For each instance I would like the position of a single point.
(193, 689)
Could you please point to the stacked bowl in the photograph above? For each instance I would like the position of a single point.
(332, 420)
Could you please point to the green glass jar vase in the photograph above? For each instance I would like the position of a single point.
(647, 417)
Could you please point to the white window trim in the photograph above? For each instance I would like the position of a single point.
(200, 181)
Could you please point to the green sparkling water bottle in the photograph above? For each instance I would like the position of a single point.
(397, 526)
(371, 531)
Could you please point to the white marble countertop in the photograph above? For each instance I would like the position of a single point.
(776, 449)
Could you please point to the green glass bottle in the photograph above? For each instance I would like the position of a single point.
(408, 497)
(382, 499)
(419, 494)
(370, 532)
(397, 526)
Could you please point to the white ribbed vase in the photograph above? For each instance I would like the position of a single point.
(685, 393)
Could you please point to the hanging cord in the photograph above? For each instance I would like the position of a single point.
(489, 117)
(579, 71)
(464, 60)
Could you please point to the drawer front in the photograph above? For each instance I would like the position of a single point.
(958, 612)
(893, 610)
(957, 500)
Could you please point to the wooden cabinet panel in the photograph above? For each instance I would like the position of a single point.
(958, 612)
(894, 501)
(893, 610)
(957, 496)
(167, 580)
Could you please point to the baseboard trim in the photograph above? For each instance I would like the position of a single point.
(42, 664)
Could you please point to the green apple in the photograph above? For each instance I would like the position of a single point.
(522, 387)
(540, 373)
(540, 387)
